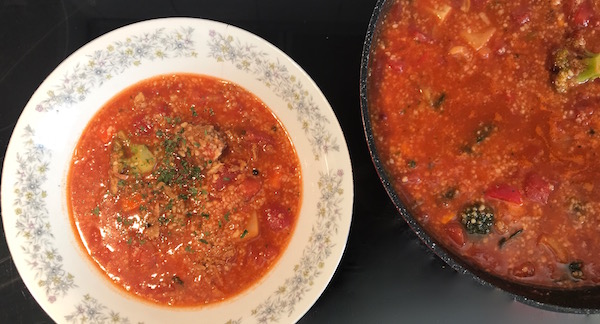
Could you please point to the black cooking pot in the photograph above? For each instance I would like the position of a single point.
(581, 300)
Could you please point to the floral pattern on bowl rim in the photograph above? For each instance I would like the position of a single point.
(36, 220)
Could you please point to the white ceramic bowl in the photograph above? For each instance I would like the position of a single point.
(34, 207)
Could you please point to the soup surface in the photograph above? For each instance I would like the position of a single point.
(484, 117)
(185, 189)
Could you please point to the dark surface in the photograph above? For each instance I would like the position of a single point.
(386, 274)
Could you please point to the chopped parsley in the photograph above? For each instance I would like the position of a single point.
(177, 280)
(163, 220)
(437, 103)
(244, 233)
(124, 221)
(169, 205)
(169, 145)
(166, 175)
(96, 211)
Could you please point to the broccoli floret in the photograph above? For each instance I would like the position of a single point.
(477, 218)
(573, 68)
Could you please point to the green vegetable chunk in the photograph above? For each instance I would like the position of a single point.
(477, 218)
(142, 160)
(573, 68)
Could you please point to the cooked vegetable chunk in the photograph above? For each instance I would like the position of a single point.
(573, 68)
(477, 218)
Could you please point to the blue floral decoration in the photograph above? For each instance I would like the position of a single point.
(245, 57)
(319, 248)
(102, 65)
(33, 219)
(92, 312)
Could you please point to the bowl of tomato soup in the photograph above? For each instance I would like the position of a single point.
(174, 170)
(481, 121)
(181, 197)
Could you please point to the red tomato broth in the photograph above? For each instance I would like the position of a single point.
(464, 109)
(173, 188)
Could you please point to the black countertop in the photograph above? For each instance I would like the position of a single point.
(386, 274)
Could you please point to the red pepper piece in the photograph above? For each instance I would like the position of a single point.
(456, 233)
(505, 192)
(536, 188)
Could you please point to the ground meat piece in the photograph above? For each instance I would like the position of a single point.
(203, 143)
(140, 100)
(151, 230)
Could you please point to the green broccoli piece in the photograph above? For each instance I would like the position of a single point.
(477, 218)
(572, 68)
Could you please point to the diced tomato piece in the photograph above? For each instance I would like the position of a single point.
(249, 187)
(536, 188)
(132, 202)
(505, 192)
(106, 134)
(583, 14)
(277, 217)
(225, 177)
(456, 233)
